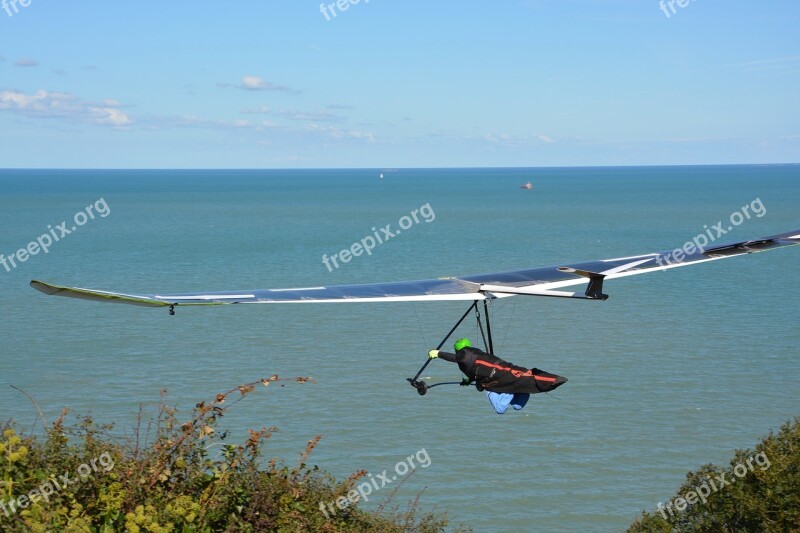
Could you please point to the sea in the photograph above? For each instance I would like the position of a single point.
(675, 370)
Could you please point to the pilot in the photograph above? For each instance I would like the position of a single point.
(505, 384)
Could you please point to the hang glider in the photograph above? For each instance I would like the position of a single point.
(545, 281)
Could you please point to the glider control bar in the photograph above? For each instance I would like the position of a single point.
(423, 387)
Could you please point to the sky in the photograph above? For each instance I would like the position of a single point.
(390, 83)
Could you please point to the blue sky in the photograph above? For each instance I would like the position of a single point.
(390, 83)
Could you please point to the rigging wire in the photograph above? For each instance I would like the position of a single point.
(508, 325)
(419, 324)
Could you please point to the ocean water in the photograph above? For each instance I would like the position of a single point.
(675, 370)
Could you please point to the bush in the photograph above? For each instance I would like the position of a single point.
(80, 478)
(759, 491)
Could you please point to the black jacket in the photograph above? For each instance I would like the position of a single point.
(494, 374)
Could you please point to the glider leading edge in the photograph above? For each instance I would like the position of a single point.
(545, 281)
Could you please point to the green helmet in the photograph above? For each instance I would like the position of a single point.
(462, 343)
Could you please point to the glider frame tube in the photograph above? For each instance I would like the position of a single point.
(423, 387)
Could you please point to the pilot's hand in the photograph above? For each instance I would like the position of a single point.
(465, 382)
(433, 354)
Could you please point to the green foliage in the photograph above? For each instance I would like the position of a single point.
(764, 499)
(185, 479)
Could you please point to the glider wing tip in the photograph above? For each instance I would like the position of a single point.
(41, 286)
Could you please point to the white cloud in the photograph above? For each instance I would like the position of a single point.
(310, 116)
(254, 83)
(502, 138)
(775, 66)
(110, 116)
(26, 62)
(112, 113)
(336, 133)
(257, 83)
(53, 104)
(508, 140)
(263, 110)
(192, 121)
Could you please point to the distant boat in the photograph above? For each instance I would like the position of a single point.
(528, 185)
(381, 175)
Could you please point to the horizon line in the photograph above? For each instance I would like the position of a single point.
(397, 168)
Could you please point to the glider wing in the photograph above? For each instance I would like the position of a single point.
(545, 281)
